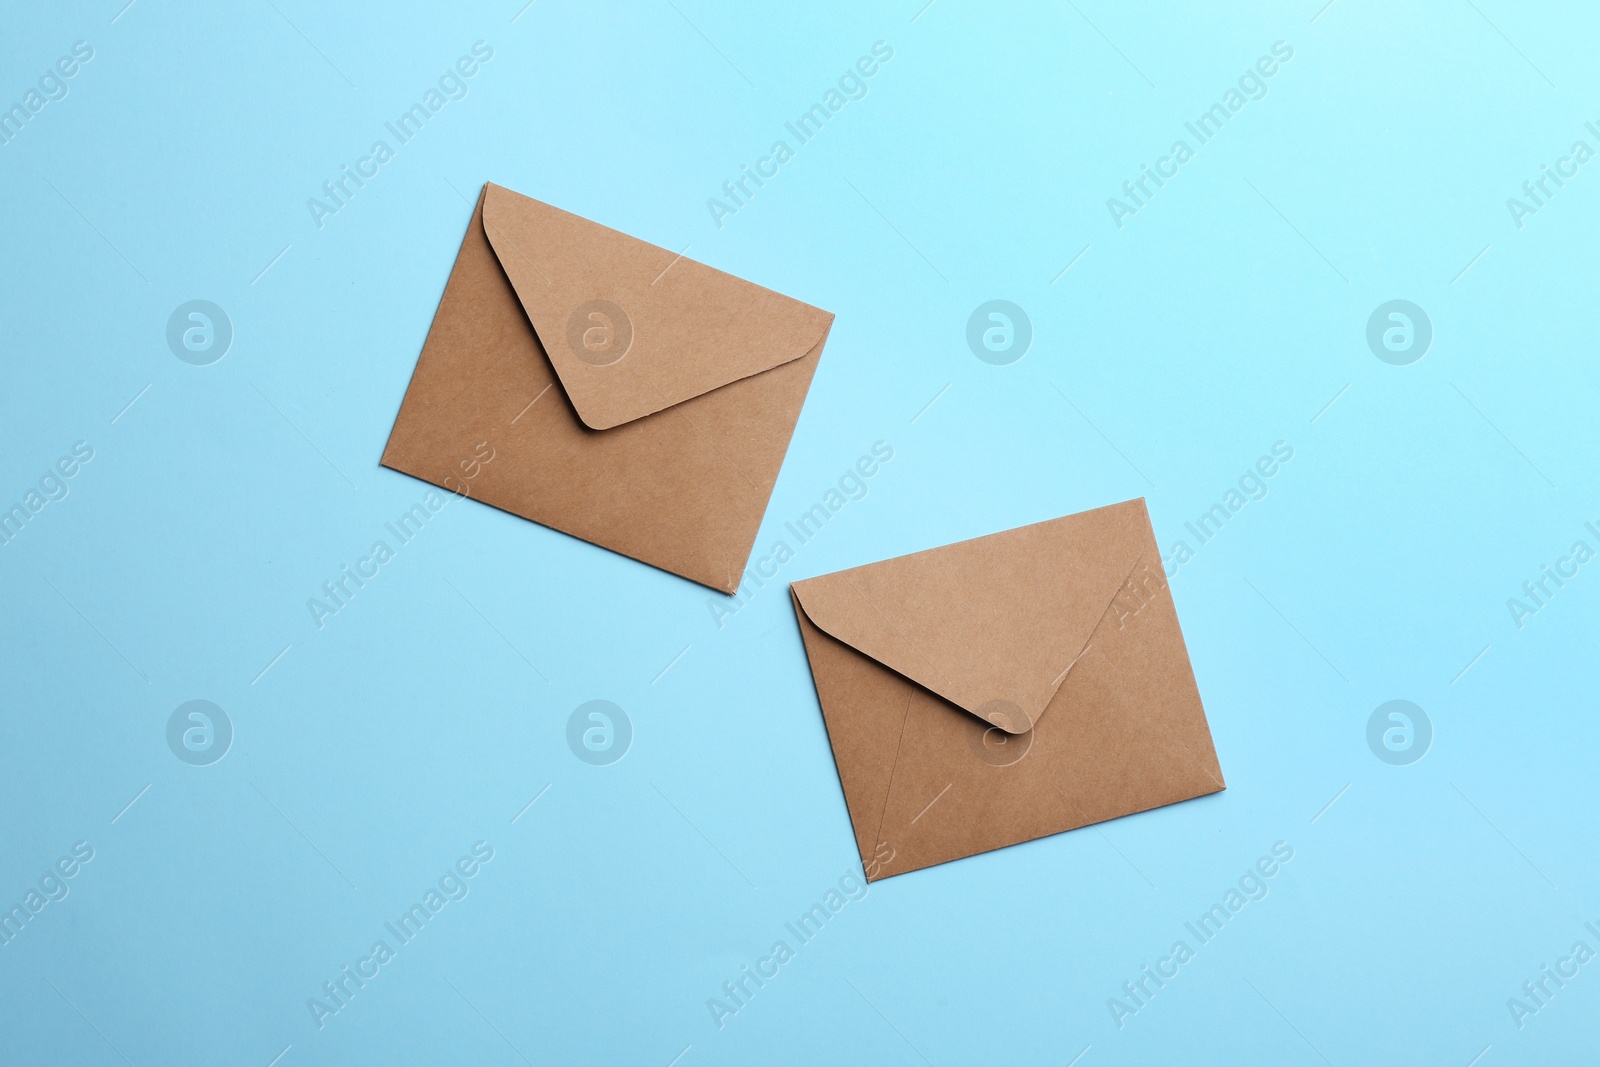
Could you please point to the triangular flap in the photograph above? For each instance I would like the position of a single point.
(632, 328)
(993, 624)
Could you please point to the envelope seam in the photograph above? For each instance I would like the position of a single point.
(897, 671)
(1189, 752)
(894, 766)
(890, 623)
(1062, 677)
(496, 361)
(1056, 682)
(1167, 590)
(1102, 619)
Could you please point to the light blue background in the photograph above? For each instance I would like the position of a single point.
(1222, 318)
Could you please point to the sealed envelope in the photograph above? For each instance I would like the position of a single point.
(631, 396)
(1005, 688)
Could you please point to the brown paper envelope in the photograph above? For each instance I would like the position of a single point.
(1062, 635)
(629, 396)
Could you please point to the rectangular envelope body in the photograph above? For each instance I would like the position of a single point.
(1007, 688)
(629, 396)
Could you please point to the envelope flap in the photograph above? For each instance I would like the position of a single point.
(993, 624)
(632, 328)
